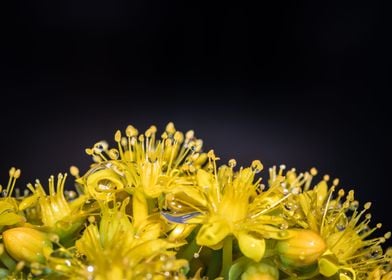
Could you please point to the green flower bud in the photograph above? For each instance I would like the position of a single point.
(260, 271)
(27, 244)
(302, 249)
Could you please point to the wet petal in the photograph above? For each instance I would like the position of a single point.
(251, 246)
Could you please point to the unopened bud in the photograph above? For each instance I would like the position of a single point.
(27, 244)
(302, 249)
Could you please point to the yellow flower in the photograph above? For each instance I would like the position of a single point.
(8, 205)
(64, 217)
(228, 203)
(350, 252)
(143, 162)
(116, 249)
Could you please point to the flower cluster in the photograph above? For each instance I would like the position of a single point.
(160, 208)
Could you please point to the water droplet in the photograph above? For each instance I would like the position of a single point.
(283, 226)
(283, 233)
(163, 258)
(114, 154)
(375, 252)
(288, 206)
(54, 238)
(232, 163)
(354, 205)
(100, 147)
(340, 226)
(257, 166)
(295, 190)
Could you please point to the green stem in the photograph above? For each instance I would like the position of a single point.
(214, 267)
(8, 261)
(227, 257)
(189, 250)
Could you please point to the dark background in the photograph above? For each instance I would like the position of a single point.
(295, 82)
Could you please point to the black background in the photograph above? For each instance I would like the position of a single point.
(295, 82)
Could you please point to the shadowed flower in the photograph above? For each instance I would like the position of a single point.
(8, 205)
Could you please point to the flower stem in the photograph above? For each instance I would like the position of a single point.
(187, 252)
(227, 257)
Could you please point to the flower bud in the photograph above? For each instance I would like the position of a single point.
(302, 249)
(27, 244)
(260, 271)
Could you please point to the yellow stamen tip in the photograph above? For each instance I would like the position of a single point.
(117, 136)
(367, 205)
(12, 171)
(313, 171)
(170, 129)
(17, 174)
(131, 131)
(74, 171)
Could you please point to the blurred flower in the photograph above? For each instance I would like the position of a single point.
(246, 269)
(117, 250)
(8, 205)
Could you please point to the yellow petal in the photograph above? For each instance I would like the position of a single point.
(5, 207)
(212, 233)
(204, 179)
(140, 207)
(322, 192)
(28, 201)
(10, 218)
(251, 246)
(327, 266)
